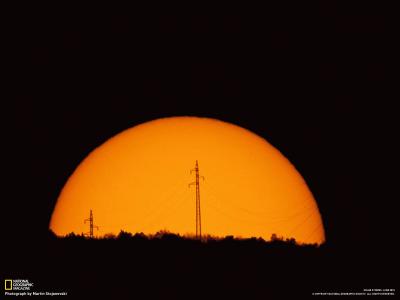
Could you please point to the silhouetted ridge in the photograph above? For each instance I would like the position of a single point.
(169, 266)
(164, 235)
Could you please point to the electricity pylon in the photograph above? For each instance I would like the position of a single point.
(91, 226)
(198, 211)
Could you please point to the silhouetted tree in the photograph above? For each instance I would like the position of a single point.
(124, 235)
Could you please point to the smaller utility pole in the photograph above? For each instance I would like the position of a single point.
(91, 225)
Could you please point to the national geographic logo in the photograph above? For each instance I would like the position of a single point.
(22, 287)
(8, 284)
(17, 285)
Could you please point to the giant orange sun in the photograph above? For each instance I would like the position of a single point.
(138, 181)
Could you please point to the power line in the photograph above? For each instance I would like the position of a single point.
(263, 220)
(158, 211)
(301, 223)
(270, 213)
(319, 225)
(168, 211)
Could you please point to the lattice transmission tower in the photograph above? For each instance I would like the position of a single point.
(91, 225)
(198, 211)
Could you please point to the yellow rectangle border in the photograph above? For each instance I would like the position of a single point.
(5, 284)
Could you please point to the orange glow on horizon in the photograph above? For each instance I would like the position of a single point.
(138, 180)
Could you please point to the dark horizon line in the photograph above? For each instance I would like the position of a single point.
(165, 234)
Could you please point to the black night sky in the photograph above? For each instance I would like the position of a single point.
(311, 78)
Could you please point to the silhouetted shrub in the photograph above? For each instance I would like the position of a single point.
(124, 235)
(140, 236)
(109, 236)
